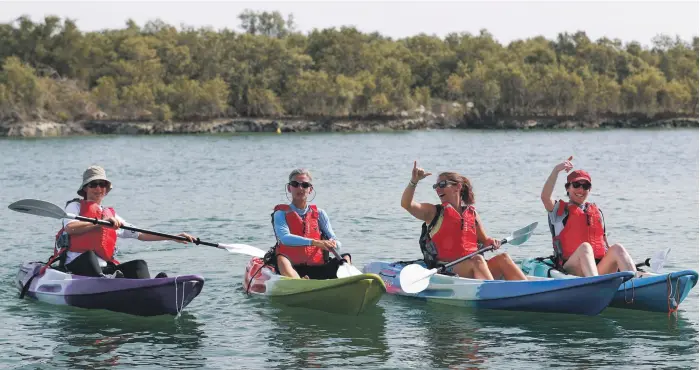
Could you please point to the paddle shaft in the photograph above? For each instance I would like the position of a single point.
(337, 255)
(169, 236)
(470, 255)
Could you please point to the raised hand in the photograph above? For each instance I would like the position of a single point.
(418, 173)
(566, 165)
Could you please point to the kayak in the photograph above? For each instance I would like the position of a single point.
(649, 292)
(586, 296)
(350, 296)
(141, 297)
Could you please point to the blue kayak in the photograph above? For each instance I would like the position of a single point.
(650, 292)
(584, 296)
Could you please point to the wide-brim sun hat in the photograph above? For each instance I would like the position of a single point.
(91, 174)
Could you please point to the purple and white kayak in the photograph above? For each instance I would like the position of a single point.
(141, 297)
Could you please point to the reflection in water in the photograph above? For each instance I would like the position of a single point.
(440, 336)
(95, 339)
(303, 338)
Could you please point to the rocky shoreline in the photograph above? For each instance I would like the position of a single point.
(375, 124)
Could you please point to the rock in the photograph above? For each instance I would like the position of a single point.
(470, 120)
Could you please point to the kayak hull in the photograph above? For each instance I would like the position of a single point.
(651, 292)
(588, 297)
(141, 297)
(349, 296)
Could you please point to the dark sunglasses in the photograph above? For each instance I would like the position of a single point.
(584, 185)
(443, 184)
(296, 184)
(94, 184)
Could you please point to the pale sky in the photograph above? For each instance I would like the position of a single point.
(507, 21)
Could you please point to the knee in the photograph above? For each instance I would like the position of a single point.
(503, 257)
(140, 264)
(478, 260)
(585, 248)
(617, 249)
(282, 260)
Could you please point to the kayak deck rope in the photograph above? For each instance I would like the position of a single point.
(673, 297)
(250, 281)
(179, 307)
(631, 281)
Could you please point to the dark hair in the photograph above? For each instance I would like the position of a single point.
(467, 193)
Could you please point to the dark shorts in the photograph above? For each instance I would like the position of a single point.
(318, 272)
(597, 261)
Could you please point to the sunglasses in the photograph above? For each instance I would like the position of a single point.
(443, 184)
(94, 184)
(297, 184)
(584, 185)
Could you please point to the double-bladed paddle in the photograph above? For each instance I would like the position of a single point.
(45, 209)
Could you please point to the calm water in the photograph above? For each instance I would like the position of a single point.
(223, 188)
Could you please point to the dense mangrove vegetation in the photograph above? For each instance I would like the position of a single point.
(51, 70)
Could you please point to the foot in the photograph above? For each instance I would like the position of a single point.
(118, 274)
(161, 275)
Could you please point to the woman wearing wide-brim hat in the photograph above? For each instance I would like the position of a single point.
(89, 249)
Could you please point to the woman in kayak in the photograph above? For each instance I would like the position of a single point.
(578, 228)
(454, 229)
(304, 234)
(89, 248)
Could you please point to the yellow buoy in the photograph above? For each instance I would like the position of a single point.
(279, 131)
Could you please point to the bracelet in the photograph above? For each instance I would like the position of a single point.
(412, 184)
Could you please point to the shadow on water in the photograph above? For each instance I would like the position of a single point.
(96, 339)
(303, 338)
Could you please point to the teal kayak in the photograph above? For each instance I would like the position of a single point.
(649, 292)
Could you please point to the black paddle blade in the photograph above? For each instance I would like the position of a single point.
(38, 208)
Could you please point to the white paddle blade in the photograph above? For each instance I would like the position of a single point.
(38, 208)
(415, 278)
(347, 270)
(659, 259)
(243, 249)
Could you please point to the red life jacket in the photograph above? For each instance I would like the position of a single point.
(102, 241)
(581, 225)
(455, 236)
(306, 227)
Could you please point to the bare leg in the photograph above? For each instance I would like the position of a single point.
(474, 268)
(616, 258)
(285, 267)
(503, 267)
(582, 263)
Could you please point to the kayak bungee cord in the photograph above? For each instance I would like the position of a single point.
(671, 299)
(247, 290)
(181, 306)
(625, 292)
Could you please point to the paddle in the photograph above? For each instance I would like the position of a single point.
(45, 209)
(415, 278)
(657, 261)
(345, 269)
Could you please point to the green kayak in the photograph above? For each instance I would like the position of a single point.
(349, 296)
